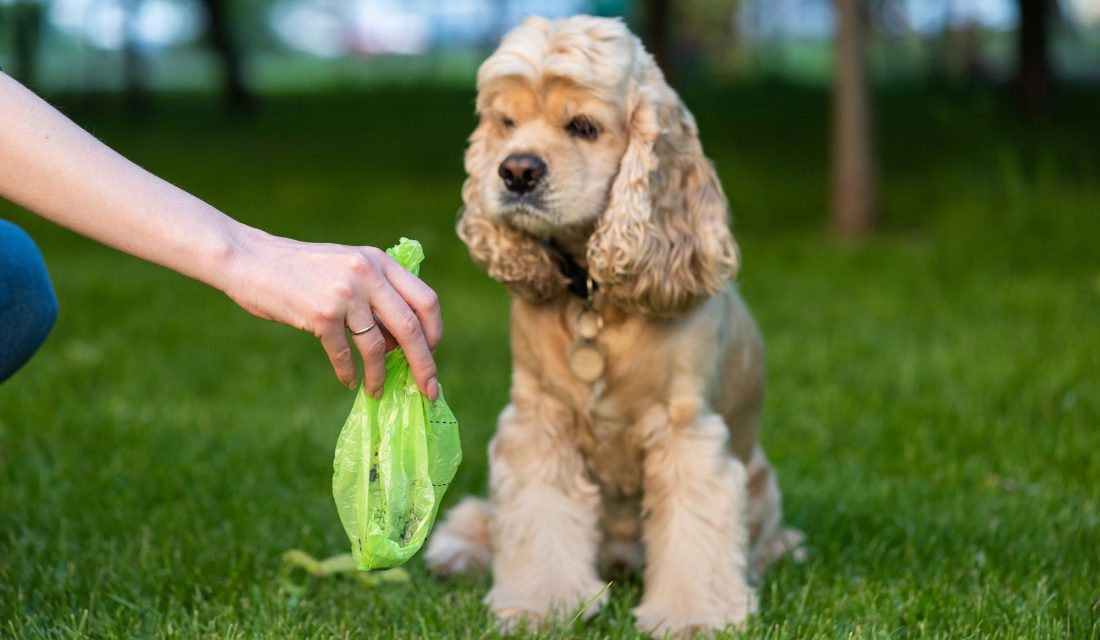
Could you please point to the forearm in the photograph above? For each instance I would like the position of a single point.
(57, 170)
(54, 168)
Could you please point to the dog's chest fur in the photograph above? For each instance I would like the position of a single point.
(611, 443)
(613, 417)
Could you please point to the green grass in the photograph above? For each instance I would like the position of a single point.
(933, 409)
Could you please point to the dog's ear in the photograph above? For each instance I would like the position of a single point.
(664, 242)
(515, 259)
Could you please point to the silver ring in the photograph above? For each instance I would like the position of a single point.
(362, 331)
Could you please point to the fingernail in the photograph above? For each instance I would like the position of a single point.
(350, 384)
(376, 394)
(433, 389)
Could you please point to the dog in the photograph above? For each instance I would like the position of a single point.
(638, 372)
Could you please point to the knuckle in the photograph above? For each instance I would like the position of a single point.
(359, 264)
(342, 356)
(325, 315)
(409, 325)
(430, 301)
(433, 335)
(376, 347)
(425, 373)
(342, 290)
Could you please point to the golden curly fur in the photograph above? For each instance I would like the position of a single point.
(662, 243)
(661, 452)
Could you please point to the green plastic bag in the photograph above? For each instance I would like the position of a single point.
(394, 459)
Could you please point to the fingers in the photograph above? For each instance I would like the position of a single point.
(391, 342)
(405, 326)
(420, 298)
(339, 353)
(407, 314)
(372, 347)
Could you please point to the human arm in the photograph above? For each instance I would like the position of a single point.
(52, 167)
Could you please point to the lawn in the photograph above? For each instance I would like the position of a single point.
(933, 408)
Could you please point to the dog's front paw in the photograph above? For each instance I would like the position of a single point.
(461, 542)
(686, 619)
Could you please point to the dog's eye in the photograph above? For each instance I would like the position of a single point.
(582, 127)
(508, 122)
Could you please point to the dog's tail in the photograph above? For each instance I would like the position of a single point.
(462, 543)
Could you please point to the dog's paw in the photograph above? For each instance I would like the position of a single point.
(785, 543)
(687, 619)
(461, 543)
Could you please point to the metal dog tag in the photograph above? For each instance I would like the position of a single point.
(587, 359)
(589, 323)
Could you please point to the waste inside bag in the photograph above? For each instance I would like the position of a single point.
(394, 459)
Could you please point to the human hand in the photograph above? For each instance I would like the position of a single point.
(323, 288)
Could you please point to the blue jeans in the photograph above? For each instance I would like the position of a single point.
(28, 305)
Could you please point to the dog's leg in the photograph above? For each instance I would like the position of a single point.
(694, 532)
(769, 540)
(545, 517)
(461, 542)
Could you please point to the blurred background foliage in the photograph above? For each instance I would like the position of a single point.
(295, 45)
(242, 50)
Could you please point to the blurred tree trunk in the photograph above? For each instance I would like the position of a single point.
(853, 166)
(1033, 75)
(236, 93)
(27, 15)
(658, 31)
(133, 62)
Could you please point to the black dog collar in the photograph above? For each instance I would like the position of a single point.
(579, 280)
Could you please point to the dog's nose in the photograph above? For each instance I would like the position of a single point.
(522, 171)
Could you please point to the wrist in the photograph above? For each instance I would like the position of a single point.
(223, 259)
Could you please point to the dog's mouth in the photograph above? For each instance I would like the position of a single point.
(529, 207)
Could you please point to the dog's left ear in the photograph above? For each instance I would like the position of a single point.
(664, 243)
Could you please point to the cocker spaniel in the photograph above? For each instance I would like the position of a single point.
(638, 371)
